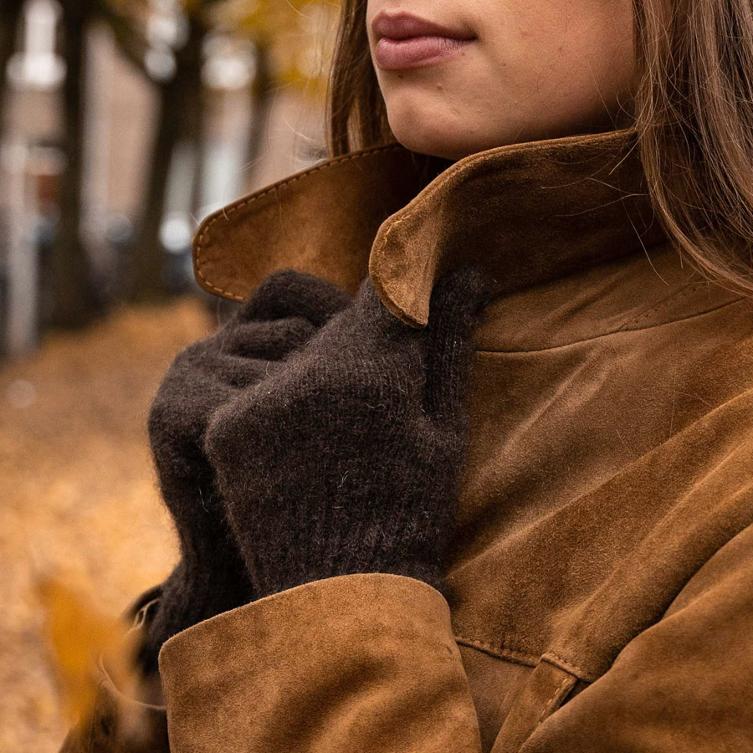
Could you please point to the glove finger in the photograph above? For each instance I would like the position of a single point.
(240, 372)
(456, 303)
(215, 379)
(269, 340)
(290, 293)
(178, 421)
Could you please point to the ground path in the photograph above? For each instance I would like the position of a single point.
(78, 490)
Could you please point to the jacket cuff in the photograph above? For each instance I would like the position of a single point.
(364, 661)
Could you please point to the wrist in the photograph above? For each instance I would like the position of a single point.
(195, 591)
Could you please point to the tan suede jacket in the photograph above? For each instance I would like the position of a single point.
(601, 580)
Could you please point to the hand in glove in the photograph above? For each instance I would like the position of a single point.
(283, 314)
(346, 458)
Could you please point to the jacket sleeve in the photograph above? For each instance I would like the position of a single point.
(364, 662)
(684, 684)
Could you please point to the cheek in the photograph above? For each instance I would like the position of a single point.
(563, 65)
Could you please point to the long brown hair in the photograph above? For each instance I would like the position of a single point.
(693, 113)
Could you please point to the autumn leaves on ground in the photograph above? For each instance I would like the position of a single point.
(81, 499)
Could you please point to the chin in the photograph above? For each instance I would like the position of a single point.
(432, 141)
(430, 131)
(449, 134)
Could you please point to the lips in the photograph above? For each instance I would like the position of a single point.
(404, 26)
(405, 41)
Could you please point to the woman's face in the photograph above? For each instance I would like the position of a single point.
(501, 71)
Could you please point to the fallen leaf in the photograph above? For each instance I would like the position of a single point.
(80, 636)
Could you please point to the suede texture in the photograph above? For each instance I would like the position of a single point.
(599, 580)
(290, 699)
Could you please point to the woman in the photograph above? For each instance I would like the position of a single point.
(500, 498)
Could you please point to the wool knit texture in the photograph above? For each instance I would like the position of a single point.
(346, 458)
(282, 315)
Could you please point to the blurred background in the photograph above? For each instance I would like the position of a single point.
(122, 124)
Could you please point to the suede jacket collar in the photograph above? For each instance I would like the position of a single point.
(529, 213)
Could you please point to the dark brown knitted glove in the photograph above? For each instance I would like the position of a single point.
(283, 314)
(346, 458)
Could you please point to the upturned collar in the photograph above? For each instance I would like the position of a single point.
(528, 213)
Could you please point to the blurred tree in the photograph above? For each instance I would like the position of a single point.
(75, 301)
(179, 120)
(281, 40)
(293, 41)
(272, 25)
(10, 18)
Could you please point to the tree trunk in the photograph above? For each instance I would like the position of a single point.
(261, 101)
(10, 18)
(178, 118)
(75, 302)
(199, 140)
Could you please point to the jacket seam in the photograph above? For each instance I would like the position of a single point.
(679, 292)
(567, 666)
(548, 704)
(621, 329)
(504, 651)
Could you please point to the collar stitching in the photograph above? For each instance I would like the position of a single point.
(620, 330)
(225, 213)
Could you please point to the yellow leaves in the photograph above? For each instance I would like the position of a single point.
(79, 635)
(311, 86)
(298, 33)
(258, 19)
